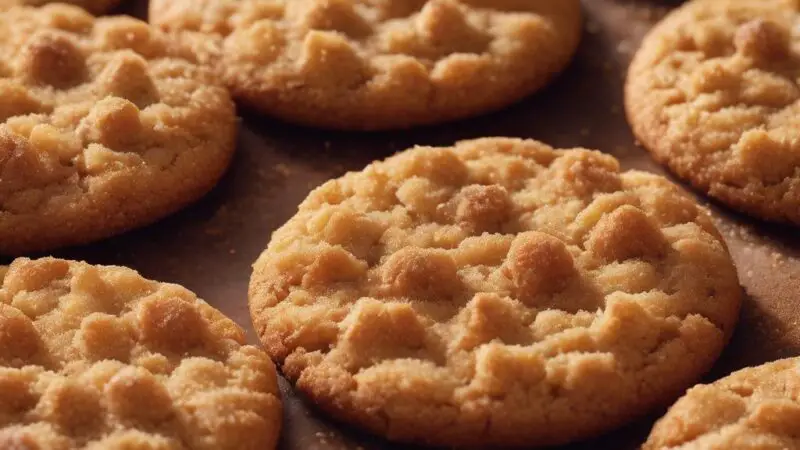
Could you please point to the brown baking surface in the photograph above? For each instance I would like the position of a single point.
(209, 247)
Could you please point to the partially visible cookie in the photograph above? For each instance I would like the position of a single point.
(105, 125)
(499, 292)
(754, 408)
(713, 94)
(375, 64)
(93, 6)
(98, 357)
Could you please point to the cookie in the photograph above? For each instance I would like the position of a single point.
(93, 6)
(379, 64)
(713, 94)
(754, 408)
(98, 357)
(499, 292)
(105, 125)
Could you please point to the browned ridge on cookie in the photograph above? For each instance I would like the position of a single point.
(757, 408)
(378, 64)
(713, 94)
(105, 125)
(98, 358)
(93, 6)
(498, 292)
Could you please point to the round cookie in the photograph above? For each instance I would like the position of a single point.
(98, 357)
(713, 94)
(105, 125)
(495, 293)
(93, 6)
(379, 64)
(754, 408)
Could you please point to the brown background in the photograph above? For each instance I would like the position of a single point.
(209, 247)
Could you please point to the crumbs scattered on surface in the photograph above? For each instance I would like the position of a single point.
(626, 47)
(592, 27)
(284, 170)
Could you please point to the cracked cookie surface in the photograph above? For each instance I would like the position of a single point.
(105, 125)
(713, 94)
(93, 6)
(754, 408)
(377, 64)
(498, 292)
(98, 357)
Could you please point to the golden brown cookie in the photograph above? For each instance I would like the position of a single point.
(713, 94)
(376, 64)
(757, 408)
(93, 6)
(104, 126)
(98, 357)
(498, 292)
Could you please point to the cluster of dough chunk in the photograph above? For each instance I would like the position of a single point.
(372, 64)
(756, 407)
(497, 278)
(99, 357)
(713, 93)
(105, 125)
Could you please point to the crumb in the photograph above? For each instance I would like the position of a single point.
(283, 169)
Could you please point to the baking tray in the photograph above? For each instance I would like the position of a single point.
(210, 246)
